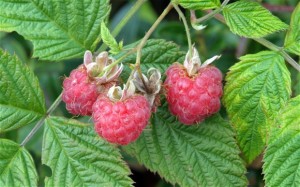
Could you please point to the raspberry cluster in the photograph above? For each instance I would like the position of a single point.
(193, 92)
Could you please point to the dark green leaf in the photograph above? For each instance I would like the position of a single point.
(78, 157)
(58, 29)
(16, 165)
(21, 99)
(199, 155)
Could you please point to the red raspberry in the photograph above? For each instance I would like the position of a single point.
(123, 121)
(193, 98)
(79, 93)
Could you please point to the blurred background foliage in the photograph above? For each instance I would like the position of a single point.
(215, 39)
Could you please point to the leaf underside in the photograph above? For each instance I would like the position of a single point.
(21, 99)
(256, 88)
(250, 19)
(16, 165)
(200, 155)
(78, 157)
(282, 161)
(198, 5)
(58, 29)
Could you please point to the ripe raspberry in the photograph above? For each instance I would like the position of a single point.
(85, 83)
(79, 93)
(122, 121)
(192, 98)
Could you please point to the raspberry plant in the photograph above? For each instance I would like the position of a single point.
(121, 85)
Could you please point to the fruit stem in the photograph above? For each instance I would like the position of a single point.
(269, 45)
(209, 15)
(187, 30)
(42, 120)
(109, 67)
(123, 22)
(143, 42)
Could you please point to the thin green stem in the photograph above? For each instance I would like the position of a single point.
(149, 32)
(187, 30)
(41, 121)
(269, 45)
(124, 20)
(274, 47)
(127, 17)
(109, 67)
(143, 42)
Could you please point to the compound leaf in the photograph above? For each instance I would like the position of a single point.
(292, 39)
(16, 165)
(21, 99)
(200, 155)
(250, 19)
(198, 4)
(282, 161)
(78, 157)
(58, 29)
(256, 88)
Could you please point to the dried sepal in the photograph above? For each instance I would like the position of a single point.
(116, 93)
(192, 62)
(150, 86)
(98, 71)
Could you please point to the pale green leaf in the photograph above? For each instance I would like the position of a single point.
(109, 40)
(79, 157)
(256, 88)
(292, 39)
(21, 99)
(58, 29)
(198, 4)
(250, 19)
(199, 155)
(16, 165)
(282, 159)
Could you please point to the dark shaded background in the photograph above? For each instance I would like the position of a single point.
(215, 39)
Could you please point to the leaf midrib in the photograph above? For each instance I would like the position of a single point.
(58, 26)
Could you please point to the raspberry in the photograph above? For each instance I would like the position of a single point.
(82, 88)
(122, 121)
(79, 93)
(192, 98)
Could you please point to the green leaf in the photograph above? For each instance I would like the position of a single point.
(156, 53)
(292, 39)
(16, 165)
(21, 99)
(199, 155)
(282, 161)
(58, 29)
(109, 40)
(198, 4)
(78, 157)
(250, 19)
(256, 88)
